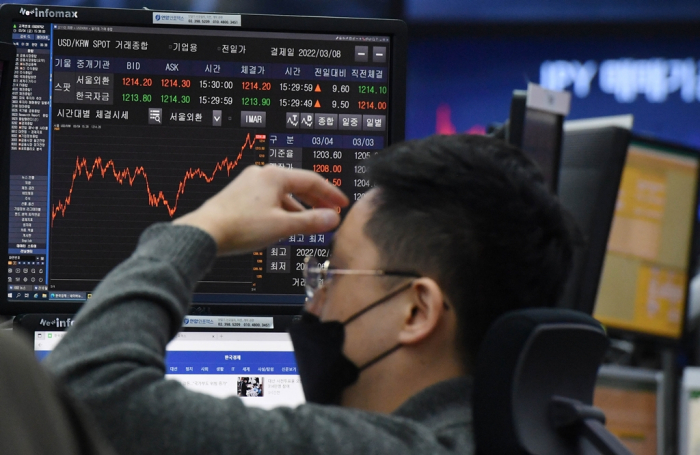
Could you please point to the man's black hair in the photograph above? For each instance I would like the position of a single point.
(474, 214)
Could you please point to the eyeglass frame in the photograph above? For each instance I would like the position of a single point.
(324, 272)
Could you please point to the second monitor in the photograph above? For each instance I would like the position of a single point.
(644, 283)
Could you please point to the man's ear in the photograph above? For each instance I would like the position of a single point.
(423, 314)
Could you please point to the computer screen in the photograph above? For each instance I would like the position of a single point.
(461, 79)
(689, 422)
(123, 118)
(644, 283)
(538, 133)
(592, 159)
(219, 357)
(542, 140)
(632, 400)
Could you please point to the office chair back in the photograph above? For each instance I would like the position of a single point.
(526, 358)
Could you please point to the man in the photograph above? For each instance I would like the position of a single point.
(456, 231)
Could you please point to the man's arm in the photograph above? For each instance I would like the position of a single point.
(112, 359)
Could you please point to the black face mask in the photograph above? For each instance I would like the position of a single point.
(318, 347)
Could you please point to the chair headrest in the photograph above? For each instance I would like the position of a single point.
(526, 358)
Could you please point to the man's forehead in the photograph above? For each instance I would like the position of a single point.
(350, 245)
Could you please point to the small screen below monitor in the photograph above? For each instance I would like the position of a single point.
(631, 401)
(257, 366)
(644, 282)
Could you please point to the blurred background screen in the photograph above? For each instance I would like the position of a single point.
(549, 10)
(463, 83)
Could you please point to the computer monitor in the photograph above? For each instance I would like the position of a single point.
(633, 402)
(122, 118)
(689, 423)
(251, 357)
(644, 283)
(591, 166)
(537, 131)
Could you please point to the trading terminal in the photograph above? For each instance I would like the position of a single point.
(115, 119)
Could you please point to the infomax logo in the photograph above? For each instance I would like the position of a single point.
(36, 12)
(58, 323)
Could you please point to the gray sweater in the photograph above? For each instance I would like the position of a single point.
(112, 359)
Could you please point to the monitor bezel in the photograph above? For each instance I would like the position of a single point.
(393, 28)
(29, 323)
(644, 337)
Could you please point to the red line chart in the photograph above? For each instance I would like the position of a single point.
(155, 199)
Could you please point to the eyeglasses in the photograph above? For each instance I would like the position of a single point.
(315, 274)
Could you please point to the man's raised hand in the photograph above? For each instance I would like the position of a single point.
(255, 210)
